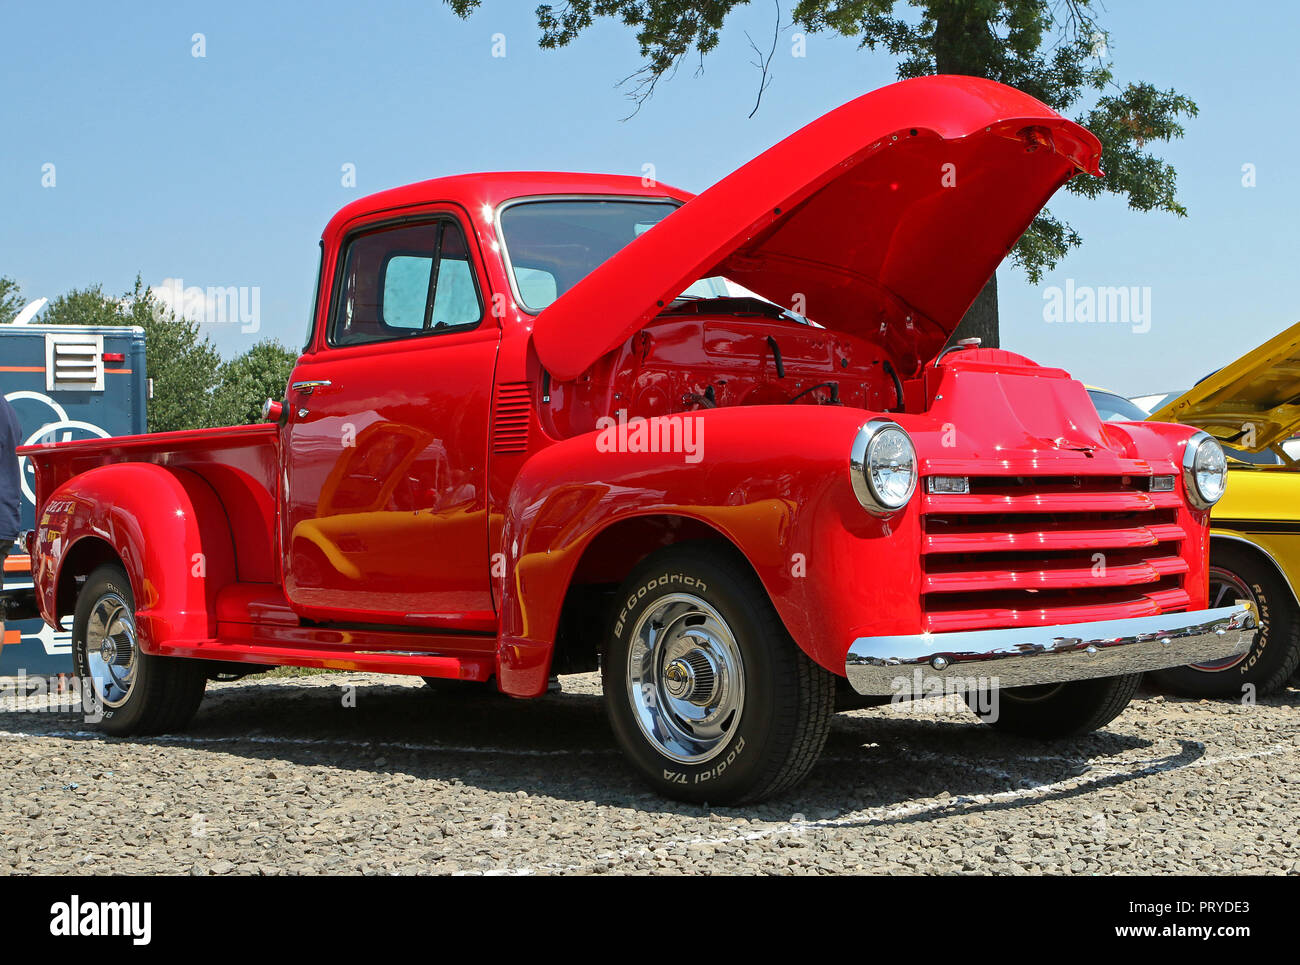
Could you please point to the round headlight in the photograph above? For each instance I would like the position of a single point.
(882, 466)
(1205, 470)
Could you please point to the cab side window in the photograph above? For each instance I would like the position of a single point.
(405, 281)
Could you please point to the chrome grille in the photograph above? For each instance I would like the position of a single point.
(1033, 551)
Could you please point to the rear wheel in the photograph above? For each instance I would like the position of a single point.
(1274, 653)
(709, 697)
(1056, 710)
(135, 692)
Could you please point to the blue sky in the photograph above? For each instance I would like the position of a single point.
(222, 170)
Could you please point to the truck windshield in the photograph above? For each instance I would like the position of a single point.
(552, 245)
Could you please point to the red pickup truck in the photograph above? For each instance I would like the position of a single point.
(714, 445)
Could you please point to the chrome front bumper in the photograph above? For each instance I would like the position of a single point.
(1025, 656)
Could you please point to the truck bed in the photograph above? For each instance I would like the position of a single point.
(240, 463)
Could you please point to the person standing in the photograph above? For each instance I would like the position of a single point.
(10, 490)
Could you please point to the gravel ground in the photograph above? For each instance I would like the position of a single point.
(279, 775)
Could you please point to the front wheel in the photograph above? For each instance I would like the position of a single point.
(709, 697)
(134, 692)
(1056, 710)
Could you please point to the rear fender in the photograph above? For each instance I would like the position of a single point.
(167, 528)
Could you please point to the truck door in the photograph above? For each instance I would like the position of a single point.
(384, 514)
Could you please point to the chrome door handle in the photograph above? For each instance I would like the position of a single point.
(307, 386)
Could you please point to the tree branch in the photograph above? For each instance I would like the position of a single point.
(764, 65)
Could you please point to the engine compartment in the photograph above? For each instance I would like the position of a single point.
(715, 352)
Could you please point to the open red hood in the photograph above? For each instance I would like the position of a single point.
(883, 219)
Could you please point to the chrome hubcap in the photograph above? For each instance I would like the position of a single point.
(692, 677)
(1225, 589)
(685, 679)
(111, 649)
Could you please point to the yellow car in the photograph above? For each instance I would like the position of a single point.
(1252, 406)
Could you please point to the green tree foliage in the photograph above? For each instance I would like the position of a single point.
(11, 300)
(244, 383)
(1055, 50)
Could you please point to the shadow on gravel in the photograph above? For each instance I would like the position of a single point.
(970, 768)
(561, 746)
(1287, 697)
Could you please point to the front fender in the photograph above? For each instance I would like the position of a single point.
(772, 480)
(167, 527)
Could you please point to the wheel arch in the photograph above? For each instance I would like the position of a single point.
(1260, 553)
(606, 560)
(82, 558)
(565, 634)
(165, 526)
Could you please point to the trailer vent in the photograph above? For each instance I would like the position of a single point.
(74, 362)
(513, 413)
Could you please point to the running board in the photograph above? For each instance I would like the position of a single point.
(447, 656)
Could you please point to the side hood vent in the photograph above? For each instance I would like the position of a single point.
(512, 413)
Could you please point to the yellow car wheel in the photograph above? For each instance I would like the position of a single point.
(1274, 654)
